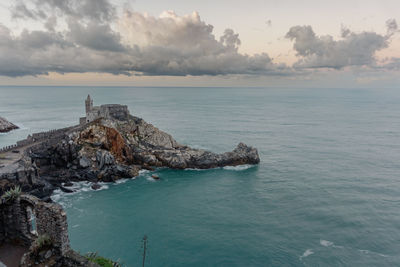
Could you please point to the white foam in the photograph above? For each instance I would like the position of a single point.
(56, 195)
(143, 172)
(238, 167)
(103, 186)
(326, 243)
(307, 253)
(365, 251)
(151, 179)
(21, 126)
(121, 181)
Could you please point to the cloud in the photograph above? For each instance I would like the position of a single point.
(144, 45)
(186, 45)
(392, 27)
(99, 10)
(355, 49)
(94, 36)
(39, 52)
(88, 36)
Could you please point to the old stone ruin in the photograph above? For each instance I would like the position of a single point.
(109, 111)
(39, 230)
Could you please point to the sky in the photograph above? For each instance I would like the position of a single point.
(283, 43)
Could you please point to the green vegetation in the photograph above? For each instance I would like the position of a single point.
(41, 243)
(12, 194)
(104, 262)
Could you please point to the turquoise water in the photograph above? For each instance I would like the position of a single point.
(326, 192)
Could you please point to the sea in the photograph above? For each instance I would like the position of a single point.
(326, 192)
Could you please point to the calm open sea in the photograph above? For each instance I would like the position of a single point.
(326, 193)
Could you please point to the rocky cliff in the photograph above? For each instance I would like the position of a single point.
(6, 126)
(107, 150)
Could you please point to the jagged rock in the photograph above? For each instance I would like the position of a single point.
(96, 186)
(6, 126)
(68, 184)
(104, 158)
(84, 162)
(107, 150)
(66, 190)
(48, 254)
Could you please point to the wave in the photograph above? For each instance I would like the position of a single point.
(326, 243)
(306, 253)
(150, 179)
(365, 251)
(238, 167)
(122, 181)
(229, 168)
(59, 196)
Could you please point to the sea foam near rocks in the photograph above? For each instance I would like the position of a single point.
(239, 167)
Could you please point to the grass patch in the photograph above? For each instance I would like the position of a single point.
(104, 262)
(41, 243)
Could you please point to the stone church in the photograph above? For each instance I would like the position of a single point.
(109, 111)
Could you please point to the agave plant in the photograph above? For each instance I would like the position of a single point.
(12, 193)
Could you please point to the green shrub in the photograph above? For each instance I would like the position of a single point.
(41, 243)
(104, 262)
(12, 194)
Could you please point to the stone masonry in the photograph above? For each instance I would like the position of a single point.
(109, 111)
(50, 220)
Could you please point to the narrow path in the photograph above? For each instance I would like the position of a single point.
(10, 157)
(10, 255)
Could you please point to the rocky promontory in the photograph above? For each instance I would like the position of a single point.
(107, 150)
(6, 126)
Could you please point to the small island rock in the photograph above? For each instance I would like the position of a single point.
(6, 126)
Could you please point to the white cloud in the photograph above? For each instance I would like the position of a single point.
(355, 49)
(94, 39)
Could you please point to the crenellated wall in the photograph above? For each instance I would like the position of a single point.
(36, 137)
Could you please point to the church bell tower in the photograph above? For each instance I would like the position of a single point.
(88, 104)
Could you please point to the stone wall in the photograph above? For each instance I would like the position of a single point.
(93, 114)
(2, 234)
(109, 111)
(35, 138)
(119, 112)
(82, 120)
(14, 220)
(51, 220)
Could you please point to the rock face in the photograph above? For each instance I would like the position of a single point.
(6, 126)
(107, 150)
